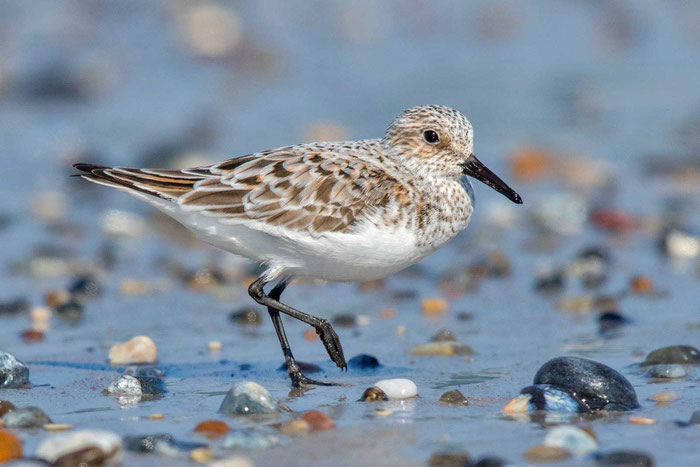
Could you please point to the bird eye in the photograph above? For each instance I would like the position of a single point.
(431, 136)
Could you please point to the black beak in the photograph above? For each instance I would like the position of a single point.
(474, 168)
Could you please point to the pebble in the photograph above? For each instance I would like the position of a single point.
(26, 417)
(680, 244)
(489, 461)
(457, 459)
(363, 361)
(246, 316)
(247, 439)
(544, 454)
(454, 397)
(212, 428)
(682, 354)
(598, 385)
(295, 427)
(642, 285)
(40, 318)
(13, 373)
(137, 386)
(139, 349)
(214, 346)
(71, 311)
(571, 438)
(373, 394)
(163, 443)
(591, 265)
(545, 397)
(248, 398)
(210, 30)
(610, 321)
(624, 458)
(550, 282)
(57, 427)
(14, 307)
(345, 320)
(202, 455)
(155, 416)
(641, 420)
(666, 372)
(6, 406)
(235, 461)
(10, 446)
(397, 388)
(434, 306)
(444, 335)
(318, 420)
(84, 447)
(85, 287)
(663, 397)
(441, 348)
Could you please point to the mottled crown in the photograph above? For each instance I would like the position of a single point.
(405, 139)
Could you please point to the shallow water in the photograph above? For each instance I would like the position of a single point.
(615, 83)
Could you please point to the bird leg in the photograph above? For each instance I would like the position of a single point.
(328, 336)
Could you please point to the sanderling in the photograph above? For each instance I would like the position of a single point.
(338, 211)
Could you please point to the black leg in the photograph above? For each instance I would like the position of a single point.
(298, 378)
(323, 327)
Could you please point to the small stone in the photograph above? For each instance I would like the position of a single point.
(212, 428)
(642, 285)
(26, 417)
(54, 298)
(162, 443)
(611, 321)
(397, 388)
(248, 398)
(318, 420)
(582, 304)
(13, 373)
(40, 318)
(624, 458)
(666, 372)
(454, 397)
(641, 420)
(156, 416)
(373, 394)
(139, 349)
(601, 387)
(84, 447)
(126, 385)
(680, 244)
(235, 461)
(85, 287)
(663, 397)
(363, 361)
(544, 454)
(10, 446)
(214, 346)
(202, 455)
(6, 406)
(388, 313)
(441, 349)
(550, 283)
(71, 312)
(682, 354)
(345, 320)
(571, 438)
(457, 459)
(444, 335)
(246, 316)
(295, 427)
(57, 427)
(14, 307)
(434, 306)
(247, 439)
(490, 461)
(32, 335)
(310, 335)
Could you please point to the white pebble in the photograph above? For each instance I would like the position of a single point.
(139, 349)
(58, 446)
(397, 388)
(572, 438)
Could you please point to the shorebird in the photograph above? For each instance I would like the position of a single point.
(337, 211)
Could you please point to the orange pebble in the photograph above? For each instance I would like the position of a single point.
(434, 306)
(212, 428)
(641, 284)
(318, 420)
(10, 446)
(32, 335)
(310, 335)
(387, 313)
(641, 420)
(529, 164)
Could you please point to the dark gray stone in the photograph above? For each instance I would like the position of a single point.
(682, 354)
(26, 417)
(598, 386)
(13, 373)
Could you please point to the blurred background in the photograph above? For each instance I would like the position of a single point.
(589, 109)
